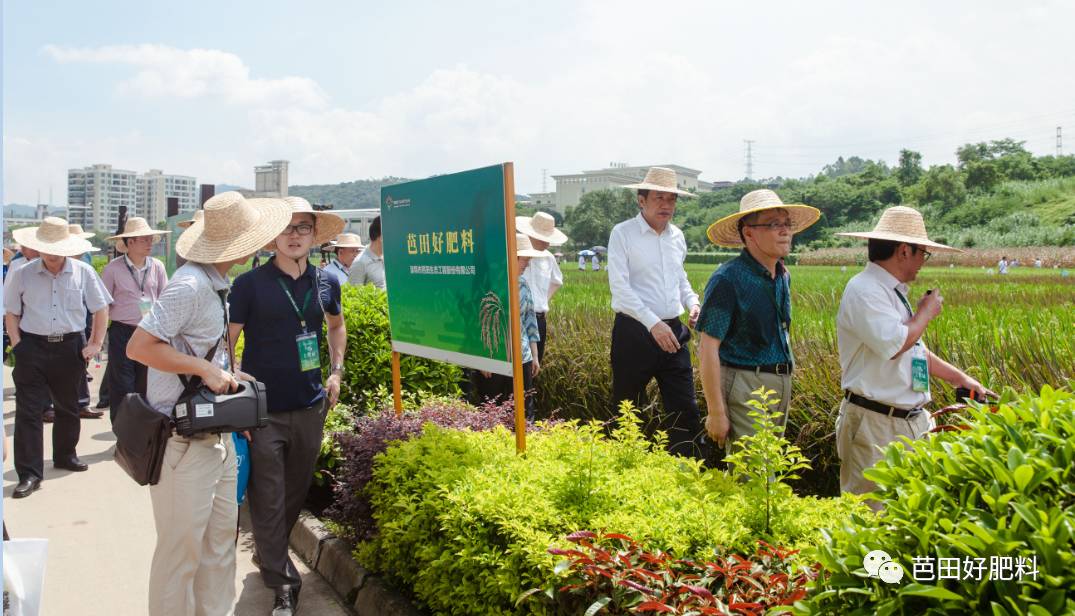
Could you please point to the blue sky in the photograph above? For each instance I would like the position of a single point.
(348, 90)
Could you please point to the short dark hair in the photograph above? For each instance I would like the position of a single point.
(643, 192)
(882, 250)
(749, 219)
(375, 229)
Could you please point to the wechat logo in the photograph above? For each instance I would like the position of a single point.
(880, 565)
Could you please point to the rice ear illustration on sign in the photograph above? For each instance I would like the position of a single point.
(492, 322)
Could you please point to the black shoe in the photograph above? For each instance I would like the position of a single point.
(26, 487)
(49, 415)
(71, 464)
(285, 602)
(103, 403)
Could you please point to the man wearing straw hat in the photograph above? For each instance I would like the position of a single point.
(649, 292)
(347, 247)
(885, 365)
(46, 303)
(369, 268)
(280, 307)
(135, 281)
(746, 314)
(543, 275)
(195, 507)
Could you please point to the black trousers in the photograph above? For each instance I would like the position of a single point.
(45, 370)
(125, 376)
(499, 389)
(636, 359)
(282, 459)
(543, 331)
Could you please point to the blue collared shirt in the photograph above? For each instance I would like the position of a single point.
(749, 312)
(54, 304)
(337, 271)
(270, 326)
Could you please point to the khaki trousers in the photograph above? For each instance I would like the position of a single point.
(737, 386)
(861, 434)
(195, 509)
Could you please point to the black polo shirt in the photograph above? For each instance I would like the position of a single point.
(270, 326)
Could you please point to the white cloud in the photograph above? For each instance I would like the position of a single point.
(193, 73)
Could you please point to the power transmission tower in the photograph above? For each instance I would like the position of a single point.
(1059, 142)
(750, 158)
(544, 180)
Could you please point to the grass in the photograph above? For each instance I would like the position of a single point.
(1012, 331)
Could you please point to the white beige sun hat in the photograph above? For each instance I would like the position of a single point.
(327, 225)
(523, 248)
(541, 226)
(233, 227)
(725, 232)
(136, 227)
(901, 224)
(347, 240)
(53, 237)
(186, 223)
(661, 179)
(76, 229)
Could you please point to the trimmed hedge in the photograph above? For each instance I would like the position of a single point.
(466, 522)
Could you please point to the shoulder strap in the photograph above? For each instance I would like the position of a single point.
(192, 383)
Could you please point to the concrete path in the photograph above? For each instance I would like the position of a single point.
(100, 530)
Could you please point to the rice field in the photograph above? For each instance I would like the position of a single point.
(1007, 331)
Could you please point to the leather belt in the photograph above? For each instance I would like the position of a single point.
(877, 407)
(52, 337)
(778, 369)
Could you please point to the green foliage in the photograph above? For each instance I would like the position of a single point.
(765, 459)
(368, 361)
(591, 221)
(466, 522)
(358, 194)
(1003, 488)
(340, 418)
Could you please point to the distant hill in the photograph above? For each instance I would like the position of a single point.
(359, 194)
(19, 210)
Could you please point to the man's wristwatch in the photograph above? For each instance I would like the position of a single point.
(337, 369)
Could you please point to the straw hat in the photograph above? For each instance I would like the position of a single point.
(347, 240)
(136, 227)
(328, 225)
(523, 248)
(542, 226)
(186, 223)
(661, 179)
(53, 237)
(8, 254)
(233, 227)
(901, 224)
(76, 229)
(725, 232)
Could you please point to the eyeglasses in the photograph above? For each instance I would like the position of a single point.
(925, 253)
(301, 229)
(775, 226)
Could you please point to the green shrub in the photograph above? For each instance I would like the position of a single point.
(1003, 489)
(368, 361)
(466, 522)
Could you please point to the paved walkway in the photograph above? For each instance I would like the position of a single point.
(100, 530)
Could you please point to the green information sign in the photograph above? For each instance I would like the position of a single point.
(446, 267)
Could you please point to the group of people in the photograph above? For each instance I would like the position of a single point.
(160, 329)
(744, 320)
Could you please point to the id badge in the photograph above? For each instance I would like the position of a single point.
(919, 369)
(144, 305)
(309, 355)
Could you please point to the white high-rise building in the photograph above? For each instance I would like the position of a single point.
(154, 189)
(95, 194)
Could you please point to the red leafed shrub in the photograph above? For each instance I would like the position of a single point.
(613, 574)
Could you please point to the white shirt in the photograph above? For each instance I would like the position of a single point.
(540, 275)
(645, 272)
(1002, 266)
(871, 326)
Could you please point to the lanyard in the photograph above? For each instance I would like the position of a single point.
(905, 303)
(305, 302)
(141, 285)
